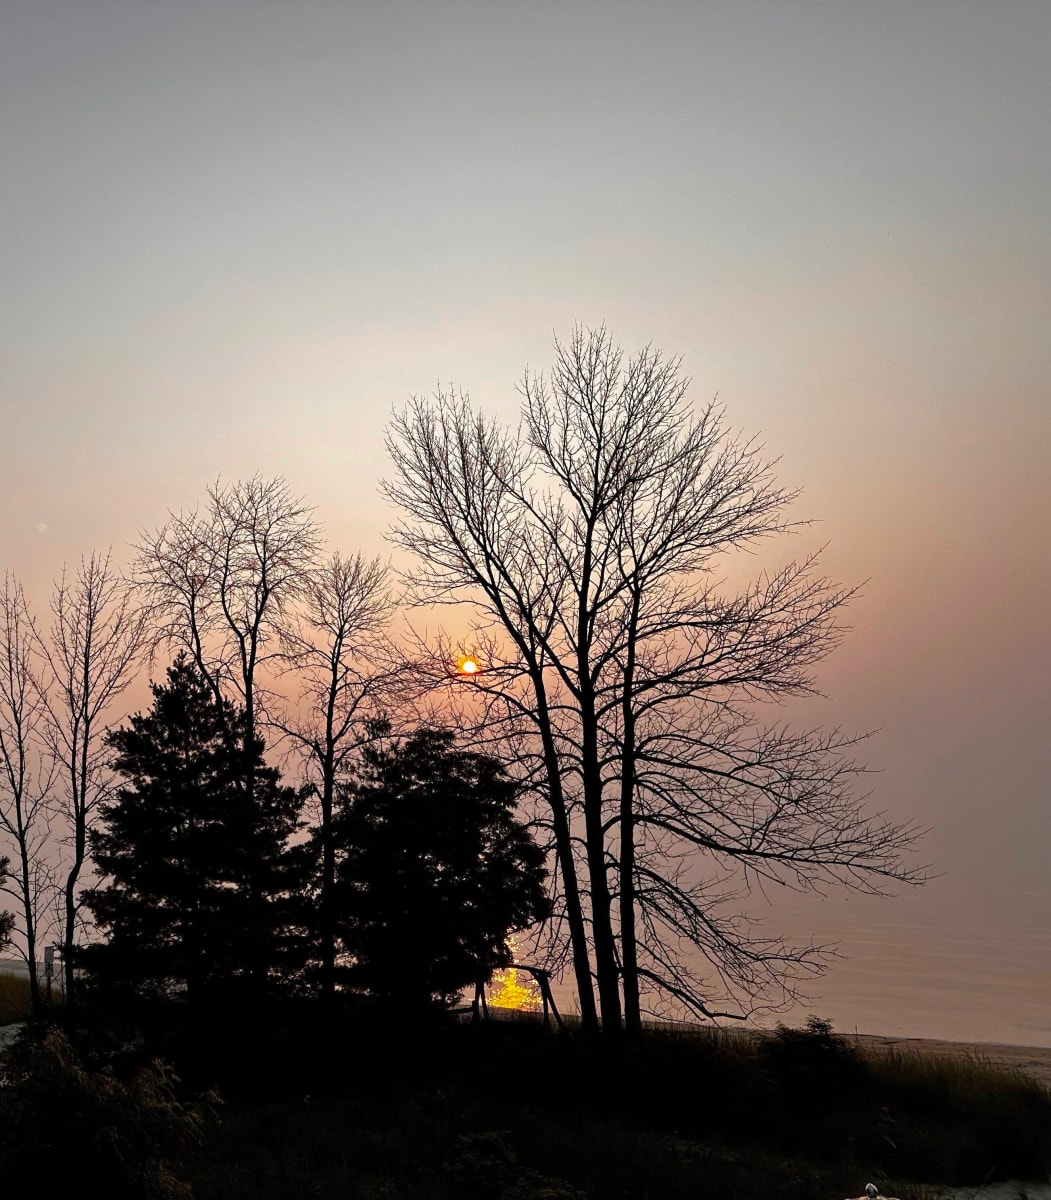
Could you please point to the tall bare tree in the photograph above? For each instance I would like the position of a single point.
(461, 482)
(591, 539)
(26, 774)
(89, 657)
(334, 646)
(217, 582)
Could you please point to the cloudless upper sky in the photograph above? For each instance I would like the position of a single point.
(236, 234)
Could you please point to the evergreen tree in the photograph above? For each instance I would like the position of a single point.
(435, 869)
(196, 863)
(7, 920)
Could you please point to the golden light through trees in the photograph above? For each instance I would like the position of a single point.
(469, 666)
(508, 992)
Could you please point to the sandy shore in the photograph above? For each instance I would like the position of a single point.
(1035, 1060)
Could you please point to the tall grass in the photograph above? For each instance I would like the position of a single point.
(366, 1111)
(14, 998)
(358, 1106)
(961, 1116)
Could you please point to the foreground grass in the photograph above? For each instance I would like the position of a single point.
(359, 1107)
(14, 998)
(506, 1111)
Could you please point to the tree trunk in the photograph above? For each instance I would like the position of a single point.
(258, 903)
(328, 884)
(70, 923)
(601, 909)
(591, 772)
(27, 904)
(629, 950)
(80, 838)
(629, 943)
(564, 853)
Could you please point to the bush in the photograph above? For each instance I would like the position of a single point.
(814, 1061)
(484, 1165)
(132, 1138)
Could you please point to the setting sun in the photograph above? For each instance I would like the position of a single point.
(469, 666)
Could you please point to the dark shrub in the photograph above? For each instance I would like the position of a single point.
(80, 1128)
(813, 1062)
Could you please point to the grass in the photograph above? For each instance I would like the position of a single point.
(14, 998)
(979, 1118)
(362, 1107)
(507, 1111)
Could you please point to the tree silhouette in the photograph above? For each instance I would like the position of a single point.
(345, 672)
(590, 542)
(215, 583)
(89, 658)
(7, 920)
(195, 861)
(435, 870)
(27, 776)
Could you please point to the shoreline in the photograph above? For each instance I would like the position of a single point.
(1034, 1060)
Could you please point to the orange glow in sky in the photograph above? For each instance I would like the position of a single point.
(469, 666)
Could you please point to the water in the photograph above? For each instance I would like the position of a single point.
(944, 961)
(956, 961)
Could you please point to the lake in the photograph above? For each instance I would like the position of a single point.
(948, 960)
(952, 960)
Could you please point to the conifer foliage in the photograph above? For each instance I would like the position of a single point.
(435, 869)
(195, 863)
(7, 920)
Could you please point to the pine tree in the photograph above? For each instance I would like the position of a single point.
(435, 869)
(7, 920)
(196, 865)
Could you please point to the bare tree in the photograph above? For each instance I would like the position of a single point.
(334, 645)
(89, 657)
(217, 583)
(462, 483)
(591, 539)
(26, 774)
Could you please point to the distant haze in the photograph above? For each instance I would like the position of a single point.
(235, 235)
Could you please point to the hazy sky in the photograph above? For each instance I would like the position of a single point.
(236, 234)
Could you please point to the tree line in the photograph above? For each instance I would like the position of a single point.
(209, 897)
(620, 680)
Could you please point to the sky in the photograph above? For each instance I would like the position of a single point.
(237, 235)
